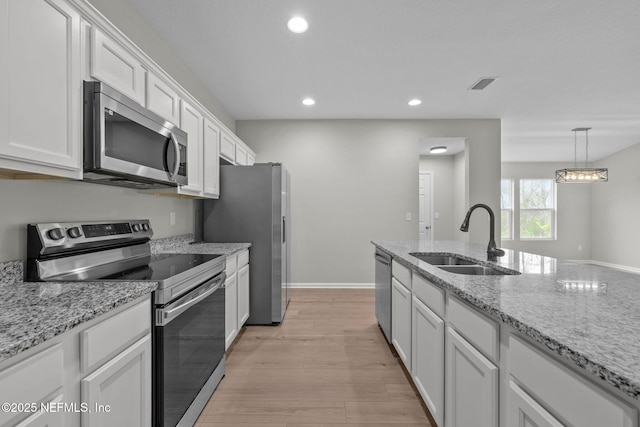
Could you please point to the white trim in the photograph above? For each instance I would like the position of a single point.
(609, 265)
(332, 285)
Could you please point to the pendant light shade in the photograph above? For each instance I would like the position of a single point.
(584, 175)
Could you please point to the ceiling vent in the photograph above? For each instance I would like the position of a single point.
(483, 83)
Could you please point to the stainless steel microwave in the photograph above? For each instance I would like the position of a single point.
(128, 145)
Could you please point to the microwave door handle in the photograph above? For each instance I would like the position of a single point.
(176, 149)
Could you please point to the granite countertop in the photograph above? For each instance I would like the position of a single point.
(32, 313)
(594, 326)
(184, 244)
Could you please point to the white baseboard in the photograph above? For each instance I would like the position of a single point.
(610, 265)
(333, 285)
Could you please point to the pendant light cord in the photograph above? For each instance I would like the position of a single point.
(586, 134)
(575, 148)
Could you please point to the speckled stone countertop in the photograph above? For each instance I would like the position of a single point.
(32, 313)
(595, 327)
(183, 244)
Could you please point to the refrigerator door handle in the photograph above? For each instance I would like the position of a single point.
(284, 231)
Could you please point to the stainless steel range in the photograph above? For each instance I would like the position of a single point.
(188, 317)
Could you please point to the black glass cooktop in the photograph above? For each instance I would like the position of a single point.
(163, 266)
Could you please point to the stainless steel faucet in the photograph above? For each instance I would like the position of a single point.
(492, 251)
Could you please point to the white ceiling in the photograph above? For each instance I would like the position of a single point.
(561, 64)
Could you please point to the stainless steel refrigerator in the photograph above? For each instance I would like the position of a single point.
(254, 206)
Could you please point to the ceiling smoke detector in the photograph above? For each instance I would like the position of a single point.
(483, 83)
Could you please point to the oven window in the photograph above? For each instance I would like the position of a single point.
(188, 349)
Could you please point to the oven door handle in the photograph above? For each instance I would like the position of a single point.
(167, 314)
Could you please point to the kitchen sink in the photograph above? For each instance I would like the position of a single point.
(456, 264)
(438, 259)
(475, 270)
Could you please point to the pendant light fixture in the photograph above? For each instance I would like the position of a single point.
(585, 174)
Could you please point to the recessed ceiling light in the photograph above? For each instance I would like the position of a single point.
(308, 101)
(438, 150)
(297, 25)
(415, 102)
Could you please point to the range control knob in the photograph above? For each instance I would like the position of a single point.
(56, 233)
(136, 227)
(145, 226)
(74, 232)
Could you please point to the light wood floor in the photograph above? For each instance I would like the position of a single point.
(327, 365)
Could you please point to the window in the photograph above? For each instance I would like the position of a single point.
(537, 209)
(528, 209)
(506, 204)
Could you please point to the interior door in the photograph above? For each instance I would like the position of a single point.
(425, 227)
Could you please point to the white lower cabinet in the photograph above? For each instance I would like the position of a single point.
(50, 417)
(427, 346)
(401, 321)
(236, 295)
(471, 385)
(568, 396)
(243, 295)
(524, 411)
(231, 310)
(119, 392)
(455, 354)
(98, 374)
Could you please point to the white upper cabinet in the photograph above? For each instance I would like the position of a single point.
(227, 147)
(211, 141)
(163, 99)
(241, 155)
(192, 122)
(40, 88)
(47, 49)
(234, 151)
(116, 66)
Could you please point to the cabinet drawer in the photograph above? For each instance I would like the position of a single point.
(31, 380)
(567, 394)
(475, 327)
(402, 273)
(106, 339)
(232, 263)
(431, 295)
(243, 258)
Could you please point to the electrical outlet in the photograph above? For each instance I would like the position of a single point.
(408, 216)
(579, 247)
(436, 215)
(172, 218)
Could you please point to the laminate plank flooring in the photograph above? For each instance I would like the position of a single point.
(327, 365)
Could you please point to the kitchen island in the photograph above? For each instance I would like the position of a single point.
(580, 318)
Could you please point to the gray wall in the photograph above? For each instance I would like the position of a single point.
(28, 201)
(127, 19)
(353, 181)
(573, 214)
(616, 208)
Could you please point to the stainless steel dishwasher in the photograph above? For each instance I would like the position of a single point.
(383, 292)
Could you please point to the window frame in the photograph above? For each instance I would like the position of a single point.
(509, 211)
